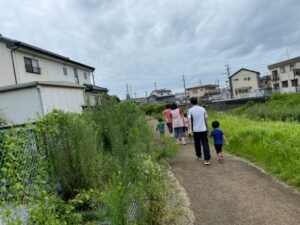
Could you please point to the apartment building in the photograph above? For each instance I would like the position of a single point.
(243, 82)
(285, 75)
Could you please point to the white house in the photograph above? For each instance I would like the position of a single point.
(243, 82)
(161, 96)
(33, 81)
(202, 91)
(285, 75)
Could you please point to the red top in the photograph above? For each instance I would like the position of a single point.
(167, 113)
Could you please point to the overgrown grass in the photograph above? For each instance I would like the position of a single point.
(272, 145)
(104, 159)
(280, 107)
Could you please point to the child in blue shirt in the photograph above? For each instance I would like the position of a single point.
(219, 139)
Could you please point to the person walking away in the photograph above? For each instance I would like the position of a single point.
(168, 119)
(160, 127)
(187, 128)
(198, 121)
(219, 139)
(177, 123)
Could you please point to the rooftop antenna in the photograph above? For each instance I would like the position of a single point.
(287, 53)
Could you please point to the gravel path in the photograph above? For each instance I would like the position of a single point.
(234, 193)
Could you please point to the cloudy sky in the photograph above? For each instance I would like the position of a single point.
(140, 42)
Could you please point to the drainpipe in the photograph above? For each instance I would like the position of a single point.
(13, 63)
(93, 78)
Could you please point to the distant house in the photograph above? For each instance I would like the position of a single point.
(29, 74)
(203, 91)
(161, 96)
(143, 100)
(285, 75)
(243, 82)
(265, 82)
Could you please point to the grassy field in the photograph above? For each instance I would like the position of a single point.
(272, 145)
(280, 107)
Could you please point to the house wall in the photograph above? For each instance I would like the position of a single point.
(287, 76)
(66, 99)
(51, 70)
(240, 80)
(19, 106)
(6, 68)
(199, 91)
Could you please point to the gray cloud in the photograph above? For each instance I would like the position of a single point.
(141, 42)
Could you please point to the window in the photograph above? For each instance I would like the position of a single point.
(236, 79)
(295, 83)
(32, 65)
(65, 71)
(195, 91)
(249, 78)
(245, 78)
(285, 84)
(291, 67)
(85, 75)
(282, 69)
(76, 76)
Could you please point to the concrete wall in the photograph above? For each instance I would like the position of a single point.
(20, 106)
(6, 68)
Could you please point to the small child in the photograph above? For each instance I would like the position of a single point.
(160, 127)
(219, 139)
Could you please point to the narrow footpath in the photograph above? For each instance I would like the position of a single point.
(234, 193)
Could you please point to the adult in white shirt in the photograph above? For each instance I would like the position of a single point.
(177, 123)
(198, 122)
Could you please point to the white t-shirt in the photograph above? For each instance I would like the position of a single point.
(198, 115)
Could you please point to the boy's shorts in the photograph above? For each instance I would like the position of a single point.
(218, 148)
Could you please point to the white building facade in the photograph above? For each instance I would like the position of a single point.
(243, 82)
(285, 75)
(34, 81)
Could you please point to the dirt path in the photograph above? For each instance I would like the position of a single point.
(234, 192)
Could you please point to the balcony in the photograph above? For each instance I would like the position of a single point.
(275, 77)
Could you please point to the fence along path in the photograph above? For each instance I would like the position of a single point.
(235, 192)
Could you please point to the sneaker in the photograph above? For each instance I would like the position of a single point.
(206, 163)
(199, 158)
(220, 161)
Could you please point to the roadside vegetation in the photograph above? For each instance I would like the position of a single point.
(272, 145)
(101, 165)
(280, 107)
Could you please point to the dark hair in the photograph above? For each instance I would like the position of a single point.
(160, 120)
(168, 106)
(174, 106)
(185, 115)
(215, 124)
(194, 101)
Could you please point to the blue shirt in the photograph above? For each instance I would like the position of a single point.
(218, 136)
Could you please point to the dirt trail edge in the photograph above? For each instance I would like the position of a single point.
(234, 192)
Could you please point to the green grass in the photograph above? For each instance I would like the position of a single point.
(280, 107)
(275, 146)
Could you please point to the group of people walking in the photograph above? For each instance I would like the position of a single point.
(194, 124)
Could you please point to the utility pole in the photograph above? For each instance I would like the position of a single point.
(127, 92)
(134, 94)
(155, 85)
(229, 79)
(146, 93)
(130, 91)
(183, 80)
(200, 82)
